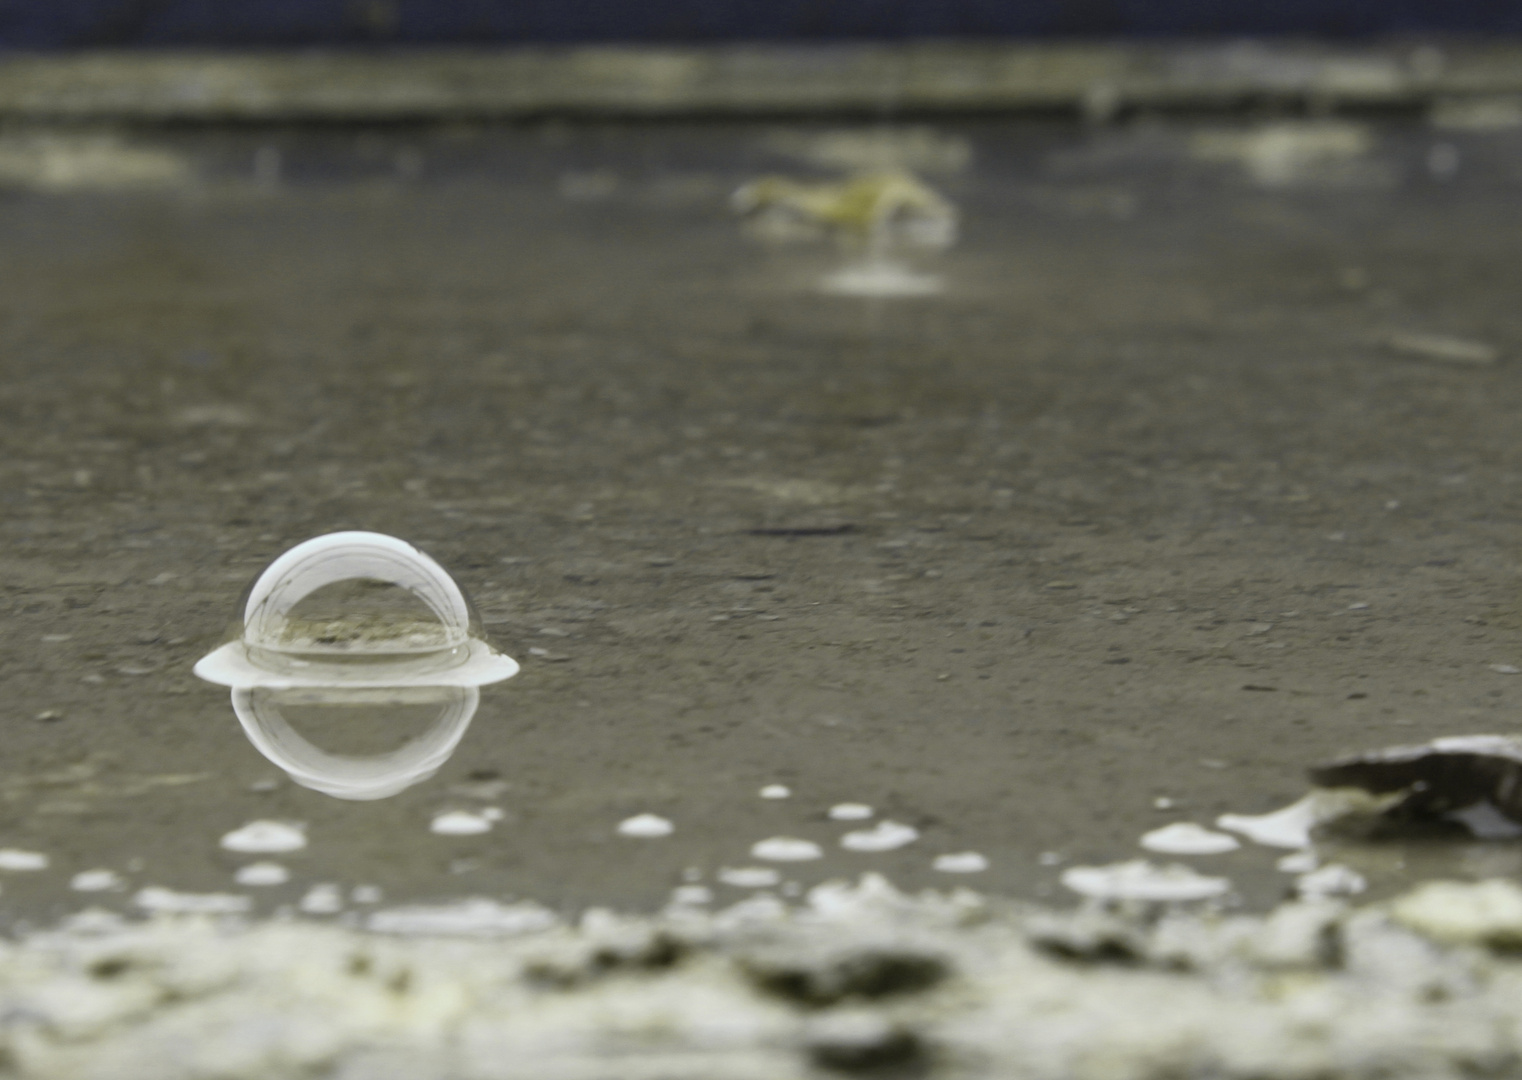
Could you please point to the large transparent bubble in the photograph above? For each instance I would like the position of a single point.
(355, 631)
(355, 609)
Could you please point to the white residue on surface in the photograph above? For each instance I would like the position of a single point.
(83, 162)
(785, 849)
(467, 917)
(460, 823)
(884, 836)
(1142, 880)
(261, 874)
(749, 877)
(96, 881)
(1295, 152)
(1443, 348)
(167, 901)
(1298, 862)
(1333, 879)
(1187, 838)
(1291, 826)
(880, 278)
(850, 811)
(776, 791)
(1463, 912)
(1485, 822)
(645, 826)
(14, 859)
(695, 895)
(961, 862)
(267, 837)
(322, 899)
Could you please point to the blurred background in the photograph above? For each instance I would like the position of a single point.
(72, 24)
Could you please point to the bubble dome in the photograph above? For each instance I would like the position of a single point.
(356, 610)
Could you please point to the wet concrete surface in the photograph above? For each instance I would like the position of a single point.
(1144, 506)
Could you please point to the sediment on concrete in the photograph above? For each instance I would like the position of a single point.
(859, 980)
(731, 81)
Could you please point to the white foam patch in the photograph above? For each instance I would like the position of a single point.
(1331, 880)
(267, 837)
(776, 791)
(645, 826)
(262, 874)
(1187, 838)
(14, 859)
(322, 899)
(1485, 822)
(460, 823)
(96, 881)
(477, 917)
(1299, 862)
(880, 279)
(885, 836)
(692, 895)
(749, 877)
(169, 902)
(786, 849)
(1291, 826)
(850, 811)
(1142, 880)
(961, 862)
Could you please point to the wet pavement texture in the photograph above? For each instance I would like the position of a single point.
(1184, 482)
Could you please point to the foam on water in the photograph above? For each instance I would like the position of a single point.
(14, 859)
(786, 849)
(884, 836)
(262, 874)
(1291, 826)
(749, 877)
(1187, 838)
(776, 791)
(322, 899)
(1331, 880)
(167, 901)
(266, 837)
(850, 811)
(474, 917)
(880, 279)
(460, 823)
(96, 881)
(1142, 880)
(962, 862)
(645, 826)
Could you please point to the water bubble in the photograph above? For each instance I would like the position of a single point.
(356, 624)
(355, 609)
(266, 717)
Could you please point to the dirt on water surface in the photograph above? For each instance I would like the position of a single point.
(1201, 466)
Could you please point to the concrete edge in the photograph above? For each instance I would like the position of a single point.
(735, 81)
